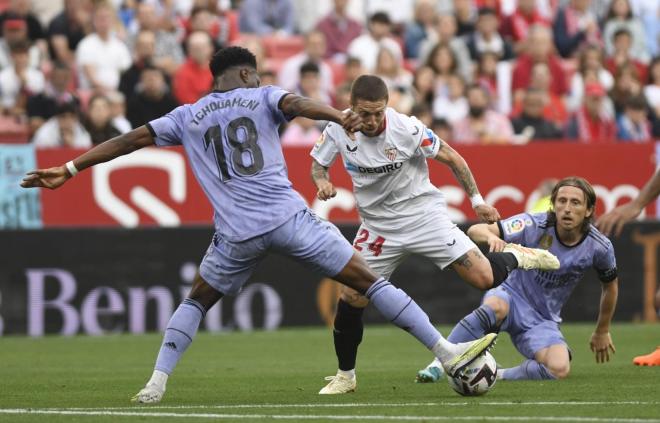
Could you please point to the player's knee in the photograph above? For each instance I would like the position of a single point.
(559, 370)
(499, 307)
(357, 275)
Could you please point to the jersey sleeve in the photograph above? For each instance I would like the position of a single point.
(274, 96)
(430, 143)
(168, 130)
(325, 150)
(515, 228)
(605, 264)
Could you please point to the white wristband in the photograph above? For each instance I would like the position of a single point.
(71, 168)
(477, 200)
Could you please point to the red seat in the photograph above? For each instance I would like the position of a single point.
(278, 47)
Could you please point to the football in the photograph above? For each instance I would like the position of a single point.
(477, 378)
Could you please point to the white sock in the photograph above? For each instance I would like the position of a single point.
(435, 363)
(444, 350)
(350, 374)
(159, 379)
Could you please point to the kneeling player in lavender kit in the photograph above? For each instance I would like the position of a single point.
(402, 212)
(230, 137)
(528, 304)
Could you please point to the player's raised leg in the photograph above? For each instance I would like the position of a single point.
(180, 331)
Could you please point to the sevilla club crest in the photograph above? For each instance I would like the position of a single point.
(391, 153)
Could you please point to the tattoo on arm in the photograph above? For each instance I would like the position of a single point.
(319, 172)
(464, 176)
(466, 261)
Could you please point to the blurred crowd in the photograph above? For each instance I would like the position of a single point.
(77, 72)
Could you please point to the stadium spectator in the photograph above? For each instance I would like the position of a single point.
(622, 41)
(101, 56)
(590, 62)
(632, 124)
(443, 63)
(22, 9)
(652, 94)
(554, 109)
(343, 96)
(18, 81)
(466, 16)
(15, 31)
(63, 130)
(442, 129)
(366, 46)
(339, 30)
(445, 32)
(531, 122)
(539, 49)
(574, 26)
(620, 16)
(405, 10)
(301, 132)
(168, 54)
(451, 105)
(423, 113)
(495, 75)
(118, 111)
(314, 52)
(591, 123)
(153, 98)
(353, 69)
(221, 24)
(424, 85)
(268, 77)
(627, 83)
(516, 26)
(482, 125)
(143, 54)
(193, 79)
(648, 11)
(68, 28)
(310, 83)
(390, 70)
(265, 17)
(98, 120)
(42, 106)
(486, 39)
(420, 28)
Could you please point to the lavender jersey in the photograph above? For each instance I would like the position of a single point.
(546, 291)
(234, 150)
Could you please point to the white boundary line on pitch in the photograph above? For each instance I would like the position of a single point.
(24, 411)
(351, 405)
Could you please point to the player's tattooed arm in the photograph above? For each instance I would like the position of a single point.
(321, 178)
(459, 167)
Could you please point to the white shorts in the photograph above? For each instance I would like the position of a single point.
(439, 240)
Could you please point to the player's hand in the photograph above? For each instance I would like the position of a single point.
(496, 244)
(326, 190)
(601, 345)
(351, 122)
(51, 178)
(614, 220)
(487, 214)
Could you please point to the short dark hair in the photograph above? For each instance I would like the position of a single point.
(621, 31)
(381, 17)
(309, 67)
(22, 46)
(589, 195)
(369, 88)
(487, 11)
(229, 57)
(66, 107)
(636, 102)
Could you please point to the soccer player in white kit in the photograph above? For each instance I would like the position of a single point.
(402, 212)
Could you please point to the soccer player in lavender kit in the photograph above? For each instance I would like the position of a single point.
(231, 139)
(402, 212)
(528, 304)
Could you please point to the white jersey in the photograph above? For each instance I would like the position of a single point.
(389, 171)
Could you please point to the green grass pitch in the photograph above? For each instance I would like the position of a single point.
(276, 375)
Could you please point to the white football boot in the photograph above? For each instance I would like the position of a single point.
(339, 384)
(532, 258)
(153, 392)
(467, 352)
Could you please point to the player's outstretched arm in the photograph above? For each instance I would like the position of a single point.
(483, 233)
(601, 341)
(321, 178)
(615, 219)
(295, 105)
(459, 167)
(54, 177)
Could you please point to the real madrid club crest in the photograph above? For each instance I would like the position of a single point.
(545, 242)
(391, 153)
